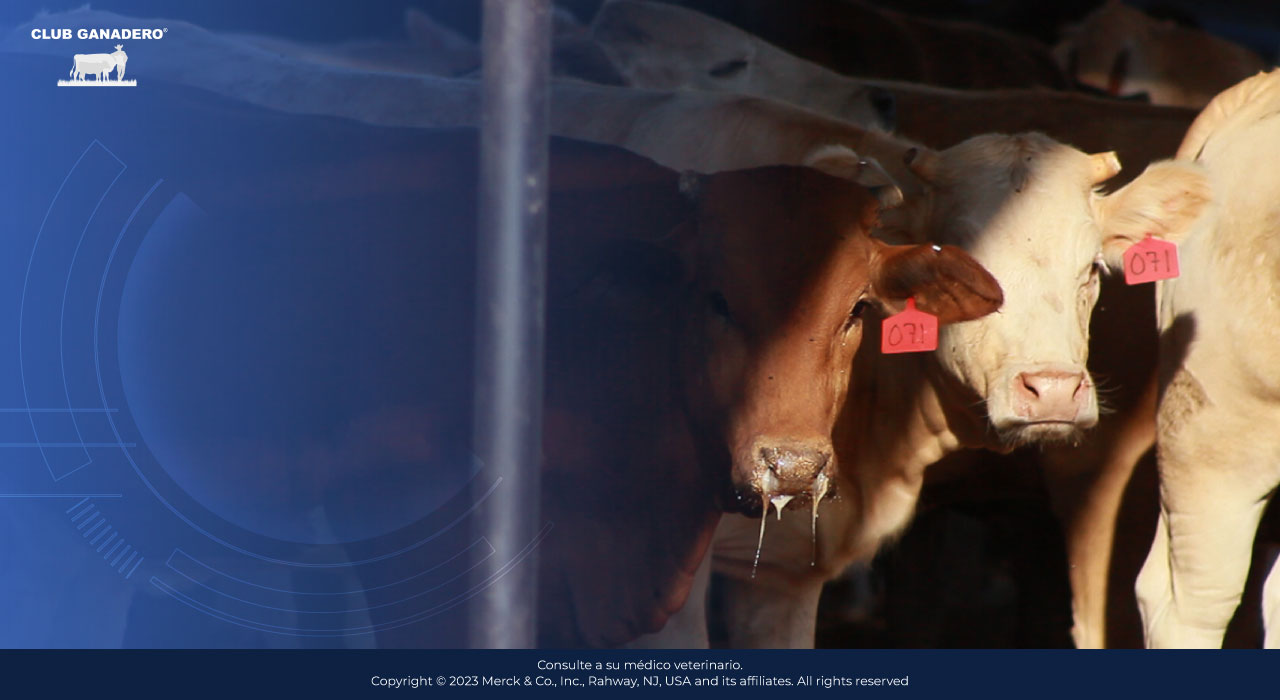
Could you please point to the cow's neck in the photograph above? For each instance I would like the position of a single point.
(929, 413)
(904, 413)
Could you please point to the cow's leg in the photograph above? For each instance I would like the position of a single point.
(1213, 493)
(1088, 504)
(686, 629)
(1192, 580)
(1088, 514)
(764, 616)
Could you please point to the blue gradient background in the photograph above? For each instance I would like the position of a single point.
(248, 358)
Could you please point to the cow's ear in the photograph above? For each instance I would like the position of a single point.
(1166, 201)
(944, 280)
(844, 162)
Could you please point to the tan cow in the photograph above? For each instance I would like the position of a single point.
(1123, 51)
(1219, 459)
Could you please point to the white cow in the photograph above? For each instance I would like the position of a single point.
(99, 65)
(1218, 449)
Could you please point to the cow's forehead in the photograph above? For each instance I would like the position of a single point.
(1013, 160)
(809, 240)
(810, 214)
(996, 195)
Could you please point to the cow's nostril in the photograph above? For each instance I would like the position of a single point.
(1051, 395)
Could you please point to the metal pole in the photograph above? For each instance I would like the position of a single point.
(512, 251)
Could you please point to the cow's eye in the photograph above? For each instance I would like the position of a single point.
(719, 305)
(855, 314)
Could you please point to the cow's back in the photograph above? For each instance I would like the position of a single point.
(1224, 300)
(1139, 133)
(864, 41)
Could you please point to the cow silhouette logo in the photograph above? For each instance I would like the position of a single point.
(98, 66)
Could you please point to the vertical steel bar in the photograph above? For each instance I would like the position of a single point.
(510, 311)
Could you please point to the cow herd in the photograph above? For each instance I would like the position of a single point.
(716, 397)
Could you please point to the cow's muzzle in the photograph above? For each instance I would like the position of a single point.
(1044, 404)
(1050, 396)
(780, 471)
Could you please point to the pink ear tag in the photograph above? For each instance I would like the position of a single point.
(911, 330)
(1149, 260)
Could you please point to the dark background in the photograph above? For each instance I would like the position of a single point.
(1255, 23)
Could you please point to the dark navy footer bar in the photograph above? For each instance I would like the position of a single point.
(453, 673)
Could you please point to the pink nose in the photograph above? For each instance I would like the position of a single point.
(1050, 396)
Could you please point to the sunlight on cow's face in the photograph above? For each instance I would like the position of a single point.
(783, 270)
(1022, 206)
(663, 47)
(1026, 207)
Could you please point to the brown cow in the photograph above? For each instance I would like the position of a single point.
(717, 347)
(1123, 51)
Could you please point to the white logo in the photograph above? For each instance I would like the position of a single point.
(100, 34)
(99, 66)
